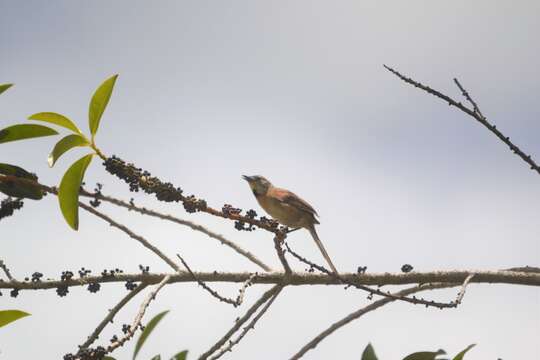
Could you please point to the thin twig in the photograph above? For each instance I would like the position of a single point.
(239, 322)
(174, 219)
(372, 291)
(461, 292)
(214, 293)
(110, 316)
(362, 311)
(246, 329)
(137, 321)
(475, 113)
(278, 241)
(4, 267)
(131, 234)
(466, 95)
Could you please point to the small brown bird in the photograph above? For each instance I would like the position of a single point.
(287, 208)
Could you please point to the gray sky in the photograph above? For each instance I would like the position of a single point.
(295, 91)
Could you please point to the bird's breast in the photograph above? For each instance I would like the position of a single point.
(282, 212)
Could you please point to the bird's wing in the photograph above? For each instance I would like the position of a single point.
(290, 198)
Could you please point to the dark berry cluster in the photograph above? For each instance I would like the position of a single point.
(114, 339)
(66, 275)
(130, 285)
(138, 178)
(406, 268)
(84, 272)
(126, 328)
(62, 290)
(88, 354)
(111, 273)
(242, 226)
(94, 287)
(14, 293)
(8, 207)
(251, 214)
(144, 269)
(36, 277)
(192, 204)
(361, 270)
(97, 193)
(229, 210)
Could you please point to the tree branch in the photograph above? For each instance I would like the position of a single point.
(250, 326)
(295, 279)
(362, 311)
(174, 219)
(475, 113)
(239, 322)
(110, 316)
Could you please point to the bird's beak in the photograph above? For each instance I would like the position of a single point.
(247, 178)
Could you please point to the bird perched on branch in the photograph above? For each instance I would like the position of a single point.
(287, 208)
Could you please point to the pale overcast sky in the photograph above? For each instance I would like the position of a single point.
(295, 91)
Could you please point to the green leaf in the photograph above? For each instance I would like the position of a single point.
(462, 354)
(180, 356)
(68, 192)
(19, 189)
(424, 355)
(157, 357)
(4, 87)
(99, 103)
(147, 331)
(107, 358)
(8, 316)
(369, 353)
(65, 144)
(24, 131)
(56, 119)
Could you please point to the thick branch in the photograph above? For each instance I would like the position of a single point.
(297, 278)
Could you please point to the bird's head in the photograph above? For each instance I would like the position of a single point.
(258, 184)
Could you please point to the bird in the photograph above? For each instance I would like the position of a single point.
(287, 208)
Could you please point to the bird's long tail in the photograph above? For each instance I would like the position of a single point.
(313, 233)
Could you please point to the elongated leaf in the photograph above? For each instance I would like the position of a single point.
(19, 189)
(4, 87)
(8, 316)
(99, 103)
(462, 354)
(65, 144)
(68, 193)
(56, 119)
(147, 331)
(180, 356)
(424, 355)
(8, 169)
(369, 353)
(157, 357)
(24, 131)
(108, 358)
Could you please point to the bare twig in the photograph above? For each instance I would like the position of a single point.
(372, 291)
(461, 293)
(362, 311)
(4, 267)
(137, 321)
(110, 316)
(466, 95)
(475, 113)
(246, 329)
(131, 234)
(239, 322)
(174, 219)
(214, 293)
(279, 239)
